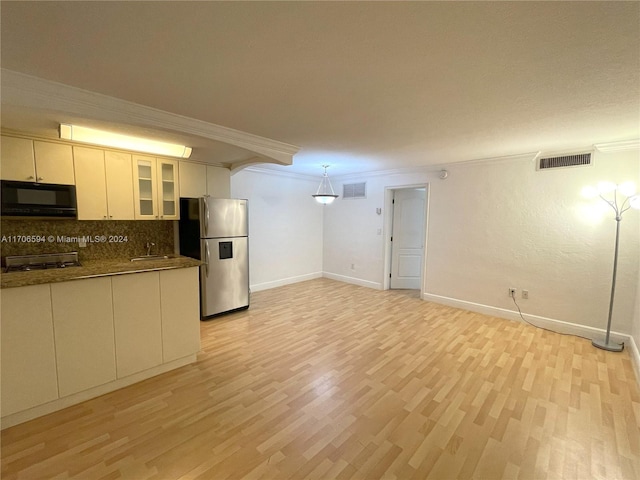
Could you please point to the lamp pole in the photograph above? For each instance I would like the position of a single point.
(612, 347)
(632, 201)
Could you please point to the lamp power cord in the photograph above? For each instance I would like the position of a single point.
(513, 297)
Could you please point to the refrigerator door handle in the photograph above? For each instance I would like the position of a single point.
(206, 263)
(206, 217)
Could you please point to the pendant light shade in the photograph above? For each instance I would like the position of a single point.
(325, 194)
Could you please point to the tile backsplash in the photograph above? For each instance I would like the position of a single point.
(108, 239)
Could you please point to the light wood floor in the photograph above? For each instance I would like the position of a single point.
(327, 380)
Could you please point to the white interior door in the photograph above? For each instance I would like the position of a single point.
(408, 237)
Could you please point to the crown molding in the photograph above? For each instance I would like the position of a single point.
(438, 167)
(23, 90)
(618, 146)
(282, 173)
(423, 169)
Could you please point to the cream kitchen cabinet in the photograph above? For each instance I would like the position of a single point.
(218, 182)
(136, 317)
(84, 335)
(63, 343)
(193, 179)
(156, 188)
(198, 180)
(17, 160)
(28, 368)
(180, 306)
(117, 167)
(35, 161)
(161, 307)
(104, 184)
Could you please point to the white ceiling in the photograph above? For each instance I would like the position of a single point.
(362, 86)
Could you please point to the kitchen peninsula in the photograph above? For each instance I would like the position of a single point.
(70, 334)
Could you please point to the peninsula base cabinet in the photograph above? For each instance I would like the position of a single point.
(138, 322)
(83, 324)
(180, 301)
(63, 343)
(29, 376)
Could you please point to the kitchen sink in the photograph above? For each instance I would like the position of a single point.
(150, 257)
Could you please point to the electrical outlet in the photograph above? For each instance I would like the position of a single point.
(525, 294)
(512, 292)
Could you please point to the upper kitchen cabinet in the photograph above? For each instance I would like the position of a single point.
(117, 168)
(104, 184)
(155, 188)
(18, 162)
(193, 180)
(218, 182)
(35, 161)
(198, 180)
(54, 163)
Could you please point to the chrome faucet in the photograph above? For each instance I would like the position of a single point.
(149, 245)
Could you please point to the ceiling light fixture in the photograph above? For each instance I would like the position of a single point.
(325, 194)
(608, 191)
(125, 142)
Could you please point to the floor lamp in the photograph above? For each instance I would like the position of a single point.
(621, 198)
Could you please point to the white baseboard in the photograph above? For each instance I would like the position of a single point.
(553, 324)
(285, 281)
(635, 357)
(353, 280)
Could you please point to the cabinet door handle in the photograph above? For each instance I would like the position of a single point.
(40, 178)
(110, 216)
(30, 177)
(104, 218)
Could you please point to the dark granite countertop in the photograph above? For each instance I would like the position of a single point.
(92, 269)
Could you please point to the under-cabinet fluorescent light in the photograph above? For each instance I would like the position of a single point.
(125, 142)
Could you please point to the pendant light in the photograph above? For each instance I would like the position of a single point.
(325, 194)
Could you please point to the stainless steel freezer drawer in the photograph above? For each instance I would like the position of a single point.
(225, 275)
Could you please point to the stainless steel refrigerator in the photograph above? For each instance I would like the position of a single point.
(215, 231)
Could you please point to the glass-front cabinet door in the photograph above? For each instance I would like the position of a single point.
(156, 189)
(168, 207)
(145, 187)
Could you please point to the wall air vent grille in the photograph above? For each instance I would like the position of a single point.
(354, 190)
(577, 160)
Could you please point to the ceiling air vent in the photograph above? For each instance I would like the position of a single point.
(354, 190)
(576, 160)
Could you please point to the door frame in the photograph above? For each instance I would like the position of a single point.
(388, 224)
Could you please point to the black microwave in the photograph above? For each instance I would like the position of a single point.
(45, 200)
